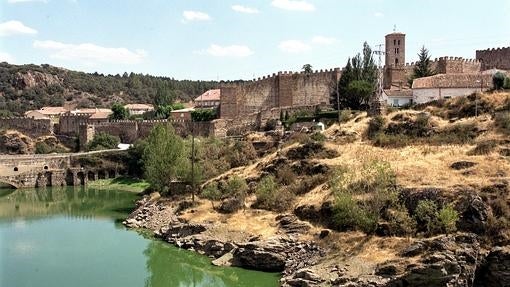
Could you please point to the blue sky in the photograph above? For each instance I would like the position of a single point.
(237, 39)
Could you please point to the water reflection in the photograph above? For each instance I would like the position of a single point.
(71, 237)
(70, 201)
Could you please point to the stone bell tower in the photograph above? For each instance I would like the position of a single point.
(394, 74)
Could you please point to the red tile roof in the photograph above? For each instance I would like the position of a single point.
(211, 95)
(453, 81)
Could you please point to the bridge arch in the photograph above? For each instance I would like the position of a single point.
(5, 182)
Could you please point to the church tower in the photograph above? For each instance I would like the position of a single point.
(395, 60)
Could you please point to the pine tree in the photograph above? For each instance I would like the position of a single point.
(423, 67)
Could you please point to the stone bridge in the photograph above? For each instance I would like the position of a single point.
(21, 171)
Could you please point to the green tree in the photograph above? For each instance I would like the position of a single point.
(119, 112)
(164, 157)
(361, 70)
(498, 80)
(423, 68)
(103, 141)
(307, 68)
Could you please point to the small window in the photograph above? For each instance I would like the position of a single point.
(16, 168)
(399, 42)
(398, 50)
(45, 167)
(396, 62)
(395, 102)
(394, 42)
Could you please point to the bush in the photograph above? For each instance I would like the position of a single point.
(498, 80)
(307, 183)
(286, 175)
(375, 126)
(436, 220)
(103, 141)
(426, 215)
(360, 203)
(42, 148)
(235, 187)
(506, 86)
(400, 222)
(502, 121)
(203, 115)
(318, 137)
(447, 219)
(211, 192)
(269, 197)
(484, 147)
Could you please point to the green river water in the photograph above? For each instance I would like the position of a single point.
(73, 237)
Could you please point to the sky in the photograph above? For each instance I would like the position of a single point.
(237, 39)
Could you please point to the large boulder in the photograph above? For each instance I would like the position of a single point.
(263, 256)
(495, 272)
(474, 214)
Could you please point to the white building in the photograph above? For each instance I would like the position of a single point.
(445, 86)
(138, 109)
(398, 97)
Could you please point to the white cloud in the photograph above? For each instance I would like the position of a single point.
(235, 51)
(25, 1)
(379, 14)
(244, 9)
(91, 54)
(6, 57)
(14, 27)
(195, 16)
(322, 40)
(294, 46)
(294, 5)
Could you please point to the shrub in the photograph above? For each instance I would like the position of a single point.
(318, 137)
(236, 187)
(270, 198)
(360, 203)
(484, 147)
(211, 192)
(502, 121)
(286, 175)
(426, 215)
(203, 115)
(447, 219)
(307, 183)
(400, 222)
(42, 148)
(375, 126)
(498, 80)
(102, 141)
(506, 86)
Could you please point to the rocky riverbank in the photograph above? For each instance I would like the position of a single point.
(301, 254)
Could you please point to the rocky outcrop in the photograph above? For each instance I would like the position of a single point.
(443, 261)
(15, 143)
(495, 271)
(32, 79)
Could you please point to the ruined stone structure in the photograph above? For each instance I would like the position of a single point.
(498, 58)
(285, 89)
(28, 126)
(129, 131)
(24, 171)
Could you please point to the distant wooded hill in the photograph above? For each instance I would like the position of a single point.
(28, 87)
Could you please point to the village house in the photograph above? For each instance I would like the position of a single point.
(138, 109)
(209, 99)
(445, 86)
(52, 113)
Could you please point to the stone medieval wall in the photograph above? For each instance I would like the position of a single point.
(30, 127)
(494, 58)
(449, 65)
(284, 89)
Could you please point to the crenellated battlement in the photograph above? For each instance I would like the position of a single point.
(272, 77)
(494, 58)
